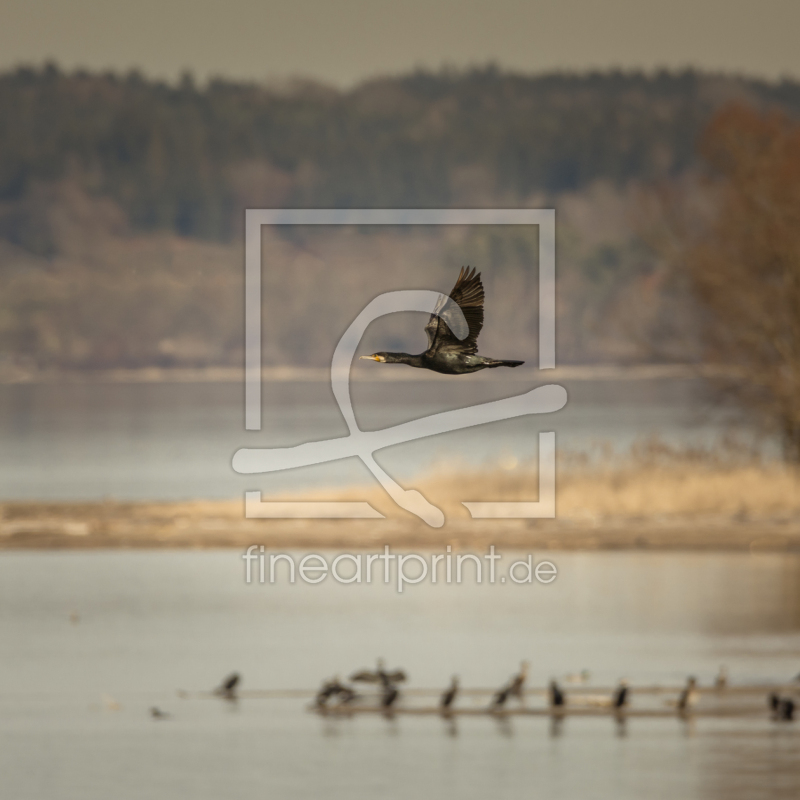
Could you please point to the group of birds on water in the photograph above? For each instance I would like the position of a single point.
(390, 692)
(387, 683)
(783, 707)
(335, 695)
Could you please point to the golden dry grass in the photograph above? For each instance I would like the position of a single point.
(654, 498)
(652, 482)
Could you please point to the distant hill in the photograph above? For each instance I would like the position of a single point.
(122, 199)
(189, 159)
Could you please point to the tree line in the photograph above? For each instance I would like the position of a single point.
(188, 159)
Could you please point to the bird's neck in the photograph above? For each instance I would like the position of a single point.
(405, 358)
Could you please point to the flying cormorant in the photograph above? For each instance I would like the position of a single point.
(446, 353)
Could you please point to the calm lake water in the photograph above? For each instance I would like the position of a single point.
(175, 441)
(153, 622)
(145, 624)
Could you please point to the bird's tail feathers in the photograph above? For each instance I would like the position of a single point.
(501, 363)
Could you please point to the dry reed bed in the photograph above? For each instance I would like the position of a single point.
(654, 497)
(653, 481)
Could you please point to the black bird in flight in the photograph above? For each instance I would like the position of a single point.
(447, 353)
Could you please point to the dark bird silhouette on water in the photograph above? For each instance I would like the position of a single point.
(688, 697)
(782, 707)
(517, 686)
(227, 688)
(500, 697)
(379, 675)
(620, 697)
(557, 697)
(447, 353)
(449, 696)
(334, 688)
(514, 688)
(389, 696)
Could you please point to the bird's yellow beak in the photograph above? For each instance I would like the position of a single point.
(370, 358)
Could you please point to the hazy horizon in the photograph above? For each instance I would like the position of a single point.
(347, 42)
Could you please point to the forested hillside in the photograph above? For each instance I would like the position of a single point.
(126, 196)
(187, 159)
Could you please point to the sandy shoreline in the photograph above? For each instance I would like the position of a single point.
(204, 524)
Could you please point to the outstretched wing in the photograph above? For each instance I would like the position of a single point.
(468, 294)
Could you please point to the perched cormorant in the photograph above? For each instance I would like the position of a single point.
(447, 353)
(334, 689)
(557, 698)
(782, 707)
(346, 695)
(227, 688)
(450, 695)
(514, 688)
(517, 685)
(688, 697)
(500, 697)
(620, 697)
(390, 695)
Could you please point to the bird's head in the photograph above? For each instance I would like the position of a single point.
(380, 357)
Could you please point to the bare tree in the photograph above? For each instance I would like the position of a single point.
(743, 265)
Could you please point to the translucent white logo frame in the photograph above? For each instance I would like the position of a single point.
(543, 399)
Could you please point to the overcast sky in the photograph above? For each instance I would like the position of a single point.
(344, 41)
